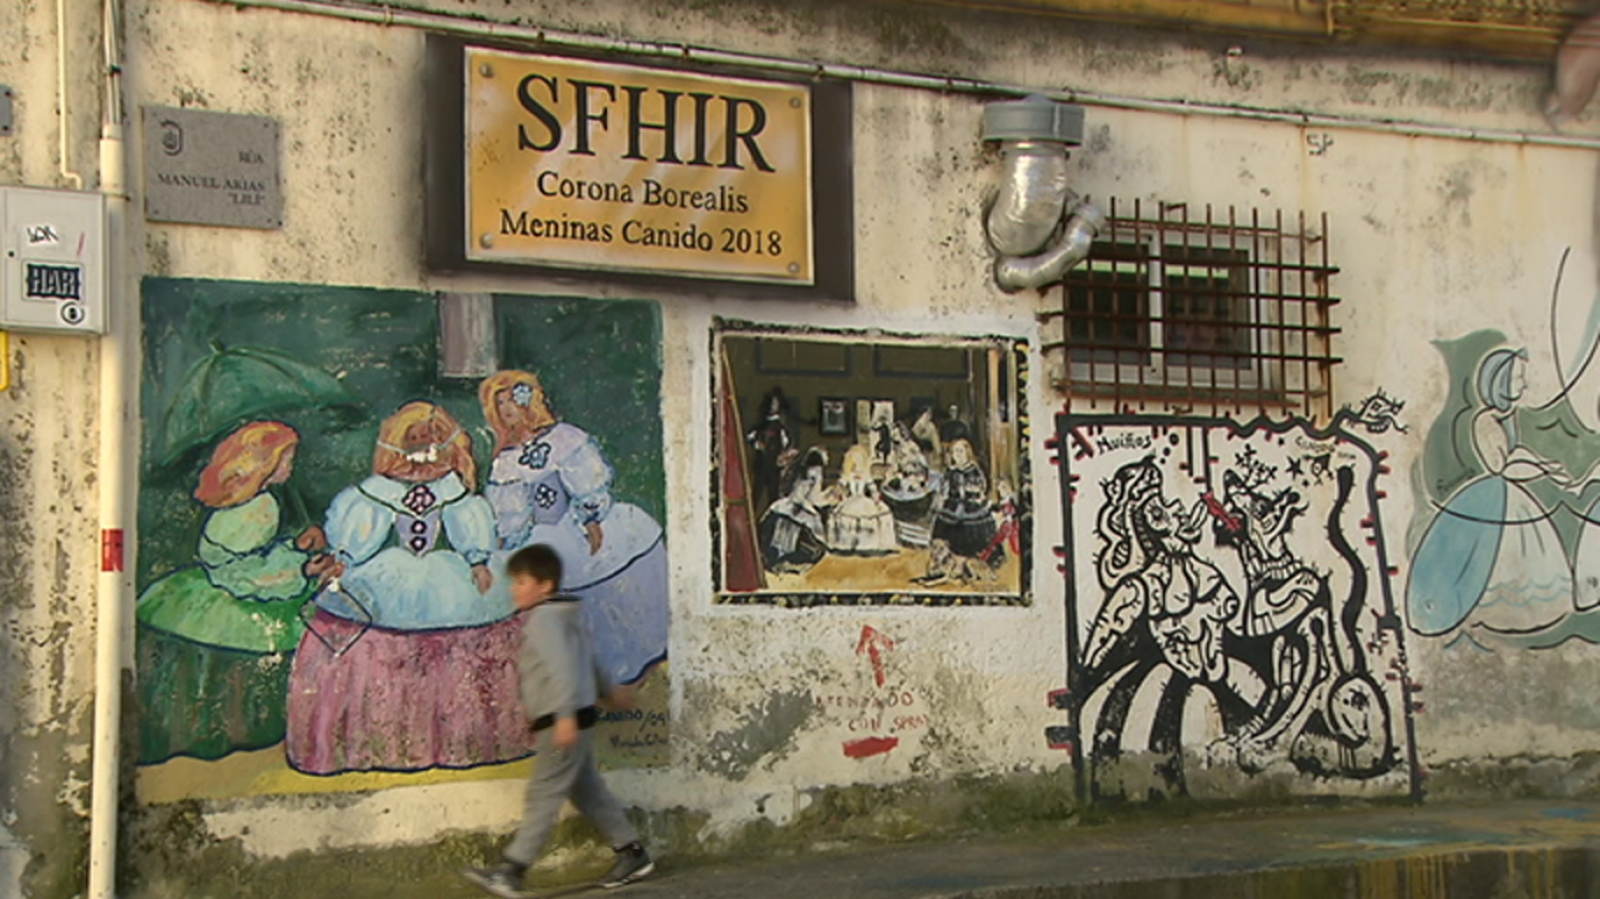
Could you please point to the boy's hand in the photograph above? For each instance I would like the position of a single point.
(621, 698)
(566, 733)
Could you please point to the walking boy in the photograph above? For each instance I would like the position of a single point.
(560, 684)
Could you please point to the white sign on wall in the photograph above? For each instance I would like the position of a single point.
(54, 263)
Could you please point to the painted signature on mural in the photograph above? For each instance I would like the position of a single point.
(875, 717)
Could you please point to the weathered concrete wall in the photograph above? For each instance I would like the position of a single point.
(1435, 239)
(47, 489)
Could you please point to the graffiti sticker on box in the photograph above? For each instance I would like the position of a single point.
(42, 235)
(54, 282)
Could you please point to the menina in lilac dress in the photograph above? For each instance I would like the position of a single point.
(546, 490)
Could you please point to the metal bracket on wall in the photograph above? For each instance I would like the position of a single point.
(5, 110)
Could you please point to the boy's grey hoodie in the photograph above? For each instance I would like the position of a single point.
(559, 673)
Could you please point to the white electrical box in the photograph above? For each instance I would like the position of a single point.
(54, 243)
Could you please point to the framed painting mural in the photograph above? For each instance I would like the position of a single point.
(833, 416)
(909, 487)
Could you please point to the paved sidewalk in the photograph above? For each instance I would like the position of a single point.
(1532, 849)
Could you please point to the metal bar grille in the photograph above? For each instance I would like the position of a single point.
(1204, 310)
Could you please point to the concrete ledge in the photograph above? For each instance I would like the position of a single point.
(1540, 850)
(1567, 873)
(1509, 850)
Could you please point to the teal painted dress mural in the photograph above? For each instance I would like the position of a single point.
(1492, 557)
(217, 636)
(410, 660)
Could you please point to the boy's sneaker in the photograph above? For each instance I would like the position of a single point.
(632, 864)
(503, 880)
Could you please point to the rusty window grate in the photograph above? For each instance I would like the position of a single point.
(1216, 311)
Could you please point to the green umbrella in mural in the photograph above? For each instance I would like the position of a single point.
(216, 636)
(233, 385)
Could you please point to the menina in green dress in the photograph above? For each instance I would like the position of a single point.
(216, 639)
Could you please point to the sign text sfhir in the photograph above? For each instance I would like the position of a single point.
(582, 164)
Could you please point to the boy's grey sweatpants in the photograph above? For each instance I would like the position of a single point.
(559, 775)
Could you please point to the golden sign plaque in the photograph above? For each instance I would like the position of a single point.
(582, 164)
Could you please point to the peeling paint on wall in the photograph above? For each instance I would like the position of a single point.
(765, 732)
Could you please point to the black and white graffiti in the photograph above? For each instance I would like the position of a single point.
(1230, 604)
(1377, 414)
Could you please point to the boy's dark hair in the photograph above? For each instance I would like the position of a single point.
(537, 561)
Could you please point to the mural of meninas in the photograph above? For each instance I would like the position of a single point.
(218, 635)
(923, 501)
(793, 536)
(409, 661)
(323, 593)
(964, 525)
(551, 484)
(1492, 558)
(1506, 552)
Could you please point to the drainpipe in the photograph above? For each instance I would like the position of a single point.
(63, 110)
(117, 426)
(1024, 225)
(1018, 273)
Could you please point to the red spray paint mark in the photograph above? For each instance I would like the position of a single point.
(1214, 506)
(874, 644)
(860, 749)
(1082, 448)
(111, 549)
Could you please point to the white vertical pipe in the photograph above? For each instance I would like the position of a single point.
(117, 447)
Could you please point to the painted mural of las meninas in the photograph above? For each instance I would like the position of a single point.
(870, 472)
(1231, 606)
(326, 506)
(1506, 547)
